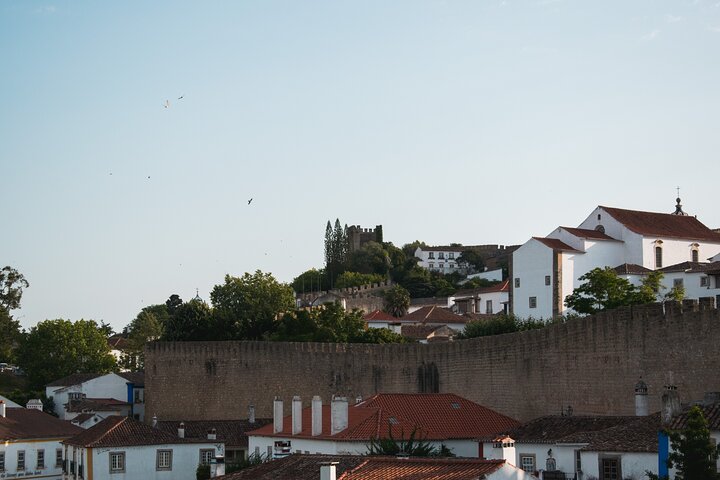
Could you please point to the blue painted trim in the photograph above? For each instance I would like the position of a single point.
(663, 454)
(131, 400)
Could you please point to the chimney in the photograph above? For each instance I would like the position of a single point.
(670, 404)
(154, 421)
(212, 434)
(316, 416)
(338, 415)
(251, 413)
(277, 415)
(641, 399)
(358, 399)
(34, 404)
(181, 430)
(3, 411)
(328, 470)
(504, 449)
(296, 415)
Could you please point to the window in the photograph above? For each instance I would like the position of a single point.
(207, 454)
(578, 463)
(695, 256)
(451, 255)
(533, 302)
(547, 279)
(488, 306)
(163, 460)
(138, 399)
(517, 283)
(58, 458)
(527, 463)
(431, 265)
(2, 461)
(75, 396)
(442, 265)
(704, 281)
(117, 462)
(658, 256)
(441, 255)
(40, 459)
(431, 254)
(21, 460)
(678, 283)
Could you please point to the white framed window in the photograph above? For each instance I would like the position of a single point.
(431, 265)
(163, 460)
(658, 256)
(431, 254)
(532, 302)
(40, 459)
(21, 460)
(441, 255)
(488, 306)
(206, 455)
(2, 461)
(117, 462)
(547, 279)
(517, 283)
(527, 463)
(58, 457)
(442, 265)
(704, 281)
(451, 255)
(678, 283)
(578, 462)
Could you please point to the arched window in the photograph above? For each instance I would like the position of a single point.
(658, 256)
(695, 252)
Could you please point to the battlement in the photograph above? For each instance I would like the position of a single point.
(370, 289)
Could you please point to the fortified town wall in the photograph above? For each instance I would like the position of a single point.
(591, 364)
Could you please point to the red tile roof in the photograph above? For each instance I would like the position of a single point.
(556, 244)
(663, 224)
(692, 267)
(384, 468)
(74, 379)
(232, 432)
(636, 435)
(436, 416)
(710, 412)
(96, 404)
(567, 429)
(22, 424)
(296, 467)
(586, 233)
(433, 314)
(379, 315)
(631, 269)
(117, 431)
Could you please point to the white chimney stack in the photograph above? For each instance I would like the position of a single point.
(338, 415)
(3, 411)
(34, 404)
(328, 470)
(181, 430)
(154, 421)
(277, 415)
(316, 416)
(670, 404)
(212, 434)
(251, 413)
(296, 415)
(641, 399)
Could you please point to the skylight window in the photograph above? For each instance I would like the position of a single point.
(455, 405)
(393, 420)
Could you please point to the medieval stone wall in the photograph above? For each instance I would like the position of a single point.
(591, 364)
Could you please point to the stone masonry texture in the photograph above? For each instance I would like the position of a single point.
(591, 364)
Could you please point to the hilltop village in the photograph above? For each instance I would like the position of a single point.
(589, 353)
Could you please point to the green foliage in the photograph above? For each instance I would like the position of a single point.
(202, 472)
(143, 329)
(396, 301)
(10, 336)
(337, 325)
(413, 446)
(357, 279)
(12, 283)
(246, 308)
(604, 289)
(336, 250)
(311, 281)
(500, 324)
(693, 454)
(409, 248)
(251, 461)
(57, 348)
(676, 293)
(192, 320)
(650, 287)
(370, 258)
(479, 283)
(379, 335)
(473, 259)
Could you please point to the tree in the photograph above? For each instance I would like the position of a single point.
(172, 303)
(413, 446)
(650, 287)
(311, 281)
(472, 258)
(143, 329)
(10, 336)
(396, 301)
(603, 289)
(246, 308)
(370, 258)
(57, 348)
(693, 454)
(192, 320)
(12, 283)
(356, 279)
(337, 325)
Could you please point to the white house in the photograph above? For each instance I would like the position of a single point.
(545, 270)
(108, 394)
(435, 316)
(439, 418)
(443, 259)
(30, 443)
(483, 301)
(121, 448)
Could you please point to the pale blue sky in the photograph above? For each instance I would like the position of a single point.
(445, 121)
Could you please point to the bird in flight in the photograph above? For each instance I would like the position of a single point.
(166, 104)
(181, 97)
(250, 201)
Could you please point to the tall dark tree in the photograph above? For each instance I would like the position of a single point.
(329, 254)
(191, 321)
(694, 456)
(10, 336)
(12, 284)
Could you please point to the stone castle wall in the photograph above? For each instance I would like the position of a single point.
(591, 364)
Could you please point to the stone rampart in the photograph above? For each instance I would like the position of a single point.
(591, 364)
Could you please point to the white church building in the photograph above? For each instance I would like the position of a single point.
(545, 270)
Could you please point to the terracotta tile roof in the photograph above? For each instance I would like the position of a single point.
(663, 224)
(433, 314)
(379, 315)
(503, 286)
(296, 467)
(591, 234)
(553, 428)
(692, 267)
(631, 269)
(639, 435)
(74, 379)
(117, 431)
(383, 468)
(232, 432)
(710, 412)
(95, 405)
(21, 424)
(418, 332)
(118, 342)
(556, 244)
(436, 416)
(136, 378)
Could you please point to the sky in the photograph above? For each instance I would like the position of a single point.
(444, 121)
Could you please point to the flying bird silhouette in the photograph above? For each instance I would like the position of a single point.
(250, 201)
(166, 104)
(181, 97)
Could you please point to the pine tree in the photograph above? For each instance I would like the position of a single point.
(328, 245)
